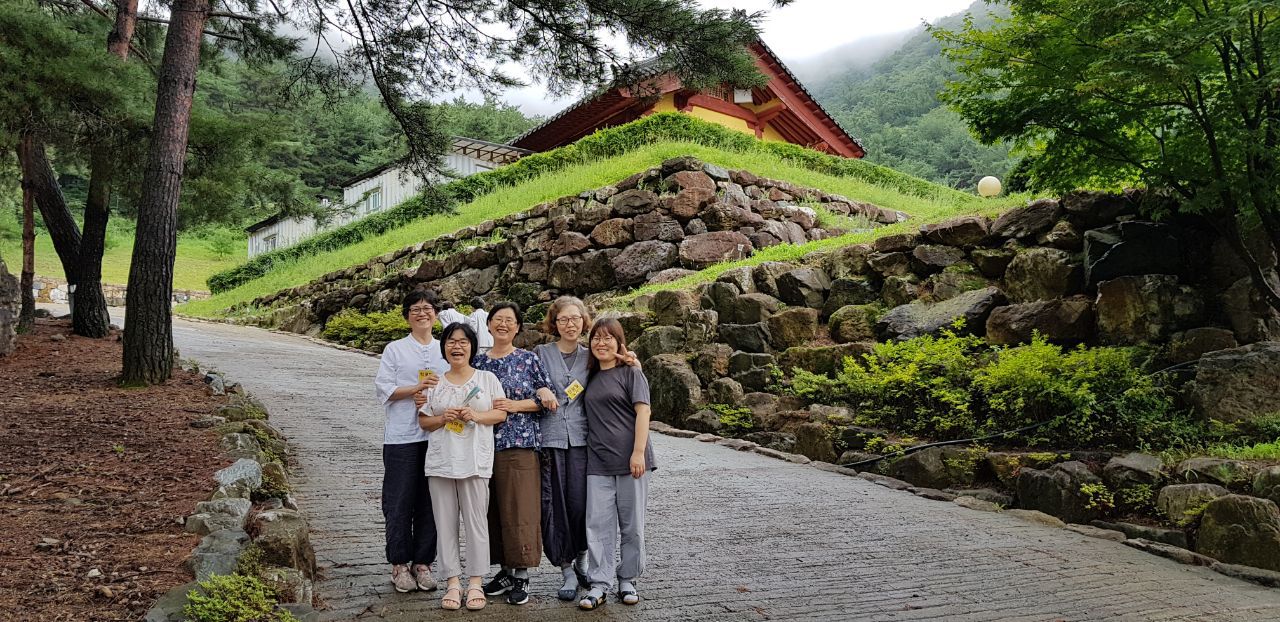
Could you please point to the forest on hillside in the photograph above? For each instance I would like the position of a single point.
(892, 106)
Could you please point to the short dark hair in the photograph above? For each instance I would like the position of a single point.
(418, 295)
(444, 304)
(477, 303)
(466, 330)
(515, 308)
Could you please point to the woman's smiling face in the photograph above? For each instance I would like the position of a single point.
(422, 316)
(502, 325)
(604, 346)
(569, 323)
(457, 348)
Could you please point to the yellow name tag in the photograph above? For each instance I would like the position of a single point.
(423, 374)
(574, 390)
(457, 426)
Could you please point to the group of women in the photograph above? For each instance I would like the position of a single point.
(543, 451)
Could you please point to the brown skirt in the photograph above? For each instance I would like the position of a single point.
(515, 509)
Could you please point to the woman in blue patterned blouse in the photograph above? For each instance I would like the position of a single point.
(515, 508)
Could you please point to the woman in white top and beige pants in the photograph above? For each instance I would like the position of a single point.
(459, 415)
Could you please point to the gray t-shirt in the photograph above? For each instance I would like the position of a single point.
(611, 420)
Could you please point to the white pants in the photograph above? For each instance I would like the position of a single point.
(467, 499)
(615, 510)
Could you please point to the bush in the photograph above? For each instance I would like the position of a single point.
(957, 386)
(606, 143)
(734, 419)
(365, 331)
(234, 598)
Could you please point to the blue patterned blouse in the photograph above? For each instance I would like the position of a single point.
(521, 375)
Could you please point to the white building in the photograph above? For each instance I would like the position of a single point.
(377, 190)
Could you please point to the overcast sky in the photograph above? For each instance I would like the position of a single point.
(804, 29)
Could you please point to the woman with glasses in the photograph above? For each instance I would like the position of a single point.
(459, 413)
(619, 458)
(515, 514)
(564, 444)
(409, 366)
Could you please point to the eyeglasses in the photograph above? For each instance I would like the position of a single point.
(602, 338)
(569, 319)
(423, 310)
(502, 321)
(455, 343)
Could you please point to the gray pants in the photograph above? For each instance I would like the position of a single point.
(467, 499)
(615, 507)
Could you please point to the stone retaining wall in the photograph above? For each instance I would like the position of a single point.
(10, 304)
(52, 290)
(653, 226)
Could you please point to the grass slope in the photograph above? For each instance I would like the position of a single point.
(195, 261)
(575, 179)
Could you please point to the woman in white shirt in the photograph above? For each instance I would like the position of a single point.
(459, 415)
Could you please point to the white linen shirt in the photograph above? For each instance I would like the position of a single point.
(450, 316)
(480, 322)
(401, 360)
(469, 454)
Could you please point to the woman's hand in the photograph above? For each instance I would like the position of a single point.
(428, 382)
(504, 404)
(450, 414)
(466, 413)
(628, 358)
(419, 399)
(637, 465)
(548, 399)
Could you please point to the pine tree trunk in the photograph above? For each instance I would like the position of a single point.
(27, 315)
(126, 20)
(148, 335)
(91, 318)
(47, 195)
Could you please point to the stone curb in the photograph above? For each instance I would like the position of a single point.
(315, 340)
(222, 522)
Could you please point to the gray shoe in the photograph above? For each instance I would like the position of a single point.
(422, 576)
(402, 578)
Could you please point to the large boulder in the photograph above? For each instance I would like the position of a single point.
(1061, 321)
(1042, 274)
(1239, 384)
(631, 202)
(1192, 344)
(1266, 483)
(655, 226)
(965, 231)
(1141, 309)
(1247, 311)
(890, 264)
(746, 337)
(1092, 208)
(854, 323)
(813, 442)
(935, 467)
(1205, 470)
(826, 360)
(1180, 502)
(685, 180)
(751, 369)
(847, 261)
(238, 480)
(705, 249)
(613, 232)
(688, 203)
(674, 389)
(568, 243)
(913, 320)
(900, 290)
(657, 340)
(1059, 491)
(1236, 529)
(929, 258)
(284, 539)
(766, 276)
(1133, 469)
(793, 327)
(1023, 222)
(639, 261)
(753, 308)
(10, 300)
(849, 291)
(671, 307)
(804, 287)
(219, 514)
(712, 362)
(951, 282)
(218, 553)
(587, 273)
(992, 262)
(725, 391)
(1130, 249)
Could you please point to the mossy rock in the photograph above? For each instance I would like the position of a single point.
(824, 360)
(854, 323)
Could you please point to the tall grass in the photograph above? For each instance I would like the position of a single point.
(575, 179)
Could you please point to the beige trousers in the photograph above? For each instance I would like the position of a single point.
(466, 499)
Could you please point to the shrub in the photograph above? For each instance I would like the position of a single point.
(734, 419)
(234, 598)
(365, 331)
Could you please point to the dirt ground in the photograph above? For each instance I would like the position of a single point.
(94, 480)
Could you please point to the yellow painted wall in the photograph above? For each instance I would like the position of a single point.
(668, 104)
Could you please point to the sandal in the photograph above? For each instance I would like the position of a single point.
(628, 597)
(481, 599)
(590, 601)
(454, 602)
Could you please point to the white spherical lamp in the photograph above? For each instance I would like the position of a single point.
(989, 186)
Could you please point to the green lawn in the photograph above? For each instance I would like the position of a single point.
(195, 261)
(572, 180)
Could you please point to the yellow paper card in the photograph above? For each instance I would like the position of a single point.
(457, 426)
(423, 374)
(574, 390)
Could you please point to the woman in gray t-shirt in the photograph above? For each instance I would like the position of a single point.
(619, 459)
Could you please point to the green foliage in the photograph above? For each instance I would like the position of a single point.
(365, 331)
(735, 419)
(234, 598)
(250, 562)
(490, 120)
(1138, 498)
(273, 486)
(603, 144)
(957, 386)
(1098, 496)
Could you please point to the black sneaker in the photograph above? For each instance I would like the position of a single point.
(501, 584)
(519, 593)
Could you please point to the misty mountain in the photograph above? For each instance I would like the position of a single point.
(891, 105)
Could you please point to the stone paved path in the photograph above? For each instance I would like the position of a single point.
(732, 536)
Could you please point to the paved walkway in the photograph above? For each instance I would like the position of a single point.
(732, 536)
